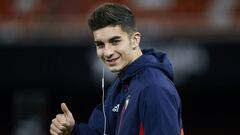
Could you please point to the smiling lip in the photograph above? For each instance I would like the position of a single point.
(112, 61)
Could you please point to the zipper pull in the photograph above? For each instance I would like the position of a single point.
(126, 102)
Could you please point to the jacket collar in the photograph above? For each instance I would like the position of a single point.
(149, 59)
(135, 67)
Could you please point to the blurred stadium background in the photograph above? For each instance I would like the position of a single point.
(47, 57)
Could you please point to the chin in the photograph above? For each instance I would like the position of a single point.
(114, 69)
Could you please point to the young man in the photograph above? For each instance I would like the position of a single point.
(142, 100)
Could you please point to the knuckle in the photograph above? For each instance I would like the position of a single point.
(53, 120)
(51, 126)
(52, 132)
(58, 115)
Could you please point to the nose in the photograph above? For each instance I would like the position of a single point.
(108, 51)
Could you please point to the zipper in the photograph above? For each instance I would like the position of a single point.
(122, 113)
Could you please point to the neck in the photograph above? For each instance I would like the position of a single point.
(137, 54)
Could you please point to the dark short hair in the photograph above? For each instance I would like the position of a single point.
(112, 14)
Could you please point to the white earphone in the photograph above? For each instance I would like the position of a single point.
(103, 105)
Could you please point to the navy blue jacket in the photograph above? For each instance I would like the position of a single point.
(142, 100)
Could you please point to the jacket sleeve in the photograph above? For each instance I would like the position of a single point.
(160, 111)
(94, 126)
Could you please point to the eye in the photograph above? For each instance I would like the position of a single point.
(115, 42)
(100, 46)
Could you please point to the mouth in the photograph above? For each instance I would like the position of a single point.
(112, 61)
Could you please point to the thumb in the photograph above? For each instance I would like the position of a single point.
(69, 117)
(65, 109)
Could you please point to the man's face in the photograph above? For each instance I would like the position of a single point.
(114, 47)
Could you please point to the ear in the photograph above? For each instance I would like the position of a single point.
(136, 37)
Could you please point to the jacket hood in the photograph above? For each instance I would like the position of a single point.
(150, 58)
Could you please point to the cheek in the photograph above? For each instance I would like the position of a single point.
(99, 53)
(128, 53)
